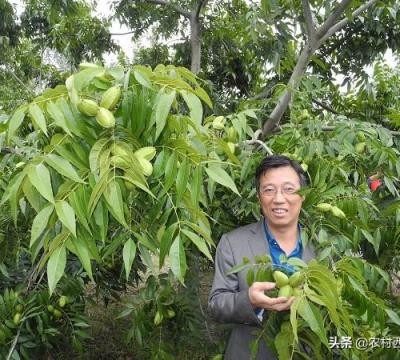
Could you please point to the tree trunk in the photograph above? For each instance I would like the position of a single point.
(195, 34)
(292, 85)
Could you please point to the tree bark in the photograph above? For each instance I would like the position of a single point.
(195, 36)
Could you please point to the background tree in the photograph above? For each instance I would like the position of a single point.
(51, 38)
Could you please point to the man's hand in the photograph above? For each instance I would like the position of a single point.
(259, 300)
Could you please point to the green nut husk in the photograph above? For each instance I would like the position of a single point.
(280, 278)
(338, 213)
(119, 150)
(360, 147)
(296, 279)
(324, 207)
(62, 301)
(88, 107)
(57, 313)
(105, 118)
(218, 123)
(158, 318)
(17, 318)
(360, 136)
(285, 291)
(110, 98)
(146, 166)
(147, 153)
(119, 162)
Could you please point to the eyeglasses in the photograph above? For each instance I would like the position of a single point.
(272, 191)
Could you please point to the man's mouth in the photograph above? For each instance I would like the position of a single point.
(279, 211)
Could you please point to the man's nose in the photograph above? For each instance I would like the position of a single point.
(278, 196)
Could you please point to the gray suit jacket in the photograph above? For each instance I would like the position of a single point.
(229, 301)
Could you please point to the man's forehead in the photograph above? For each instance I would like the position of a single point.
(284, 174)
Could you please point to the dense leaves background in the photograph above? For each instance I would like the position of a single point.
(83, 220)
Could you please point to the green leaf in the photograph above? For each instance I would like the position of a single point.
(393, 316)
(196, 185)
(63, 167)
(128, 254)
(142, 78)
(293, 316)
(178, 259)
(219, 175)
(13, 187)
(40, 222)
(146, 257)
(39, 176)
(84, 77)
(297, 262)
(79, 247)
(38, 118)
(58, 116)
(237, 268)
(372, 240)
(115, 203)
(101, 220)
(79, 200)
(170, 172)
(166, 241)
(15, 122)
(203, 96)
(66, 214)
(182, 180)
(250, 277)
(314, 319)
(199, 242)
(56, 266)
(283, 341)
(32, 195)
(97, 191)
(95, 152)
(194, 105)
(162, 110)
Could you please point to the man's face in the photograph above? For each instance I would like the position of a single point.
(280, 204)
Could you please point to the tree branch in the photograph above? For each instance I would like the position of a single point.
(256, 141)
(309, 20)
(326, 107)
(292, 85)
(345, 21)
(124, 33)
(180, 10)
(200, 5)
(330, 21)
(14, 343)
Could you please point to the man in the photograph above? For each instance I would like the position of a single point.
(231, 300)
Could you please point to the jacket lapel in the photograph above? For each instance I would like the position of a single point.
(256, 240)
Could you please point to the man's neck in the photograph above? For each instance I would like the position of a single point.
(285, 236)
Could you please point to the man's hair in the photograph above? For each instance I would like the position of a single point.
(277, 161)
